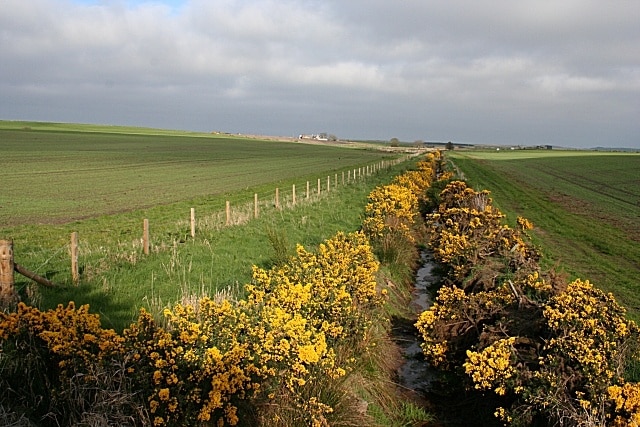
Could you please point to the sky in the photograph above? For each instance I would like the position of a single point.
(526, 72)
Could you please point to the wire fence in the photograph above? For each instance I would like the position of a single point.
(236, 212)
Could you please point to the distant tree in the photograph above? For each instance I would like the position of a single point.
(395, 142)
(418, 143)
(449, 145)
(333, 137)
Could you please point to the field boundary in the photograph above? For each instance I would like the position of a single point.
(233, 215)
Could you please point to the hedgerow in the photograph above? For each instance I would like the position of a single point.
(550, 352)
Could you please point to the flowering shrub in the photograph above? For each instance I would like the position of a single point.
(391, 209)
(210, 358)
(72, 337)
(44, 352)
(334, 289)
(196, 370)
(392, 216)
(467, 229)
(281, 339)
(492, 367)
(626, 404)
(451, 322)
(544, 347)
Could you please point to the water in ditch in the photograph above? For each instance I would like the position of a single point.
(452, 407)
(415, 374)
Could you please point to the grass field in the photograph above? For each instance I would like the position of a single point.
(58, 173)
(101, 182)
(585, 206)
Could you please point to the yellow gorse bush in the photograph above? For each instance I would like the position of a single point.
(334, 288)
(544, 346)
(626, 404)
(198, 366)
(453, 318)
(391, 209)
(392, 214)
(281, 341)
(492, 367)
(466, 229)
(46, 356)
(72, 337)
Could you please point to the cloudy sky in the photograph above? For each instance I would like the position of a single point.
(508, 72)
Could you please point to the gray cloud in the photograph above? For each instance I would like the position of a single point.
(526, 72)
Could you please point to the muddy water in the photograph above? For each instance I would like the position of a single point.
(415, 373)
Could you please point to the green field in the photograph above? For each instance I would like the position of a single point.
(103, 181)
(585, 206)
(58, 173)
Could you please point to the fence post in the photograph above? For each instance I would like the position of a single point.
(75, 271)
(342, 177)
(8, 294)
(318, 186)
(193, 222)
(328, 182)
(228, 211)
(277, 198)
(307, 190)
(293, 194)
(255, 205)
(145, 236)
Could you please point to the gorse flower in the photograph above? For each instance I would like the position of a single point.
(73, 337)
(391, 208)
(492, 367)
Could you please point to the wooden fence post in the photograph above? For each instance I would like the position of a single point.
(342, 177)
(8, 294)
(75, 271)
(307, 189)
(328, 183)
(255, 205)
(318, 186)
(277, 198)
(228, 211)
(145, 236)
(293, 194)
(193, 222)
